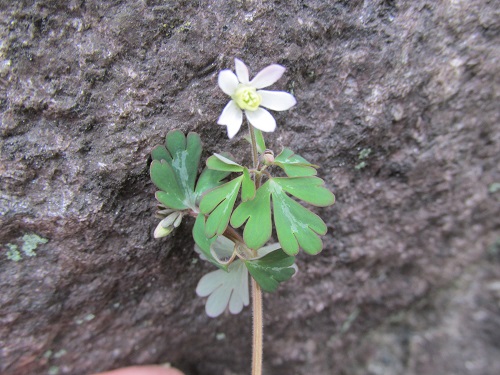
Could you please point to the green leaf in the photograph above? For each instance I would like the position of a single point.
(185, 160)
(222, 163)
(203, 242)
(174, 169)
(208, 180)
(259, 138)
(170, 194)
(308, 189)
(160, 153)
(247, 187)
(295, 225)
(271, 270)
(258, 213)
(261, 144)
(219, 203)
(294, 165)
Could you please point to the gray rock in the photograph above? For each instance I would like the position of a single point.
(88, 88)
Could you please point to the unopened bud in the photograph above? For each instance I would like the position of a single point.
(162, 232)
(167, 225)
(268, 157)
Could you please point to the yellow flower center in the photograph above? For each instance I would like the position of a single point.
(246, 97)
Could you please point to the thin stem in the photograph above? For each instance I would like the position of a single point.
(258, 330)
(258, 326)
(255, 154)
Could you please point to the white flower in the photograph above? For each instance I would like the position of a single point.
(247, 97)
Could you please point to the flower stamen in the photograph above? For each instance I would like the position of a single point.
(247, 97)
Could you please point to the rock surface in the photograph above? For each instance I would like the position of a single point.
(408, 282)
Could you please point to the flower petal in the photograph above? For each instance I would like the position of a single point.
(261, 119)
(241, 71)
(267, 76)
(232, 117)
(276, 100)
(227, 81)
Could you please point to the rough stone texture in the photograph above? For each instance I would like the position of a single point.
(408, 282)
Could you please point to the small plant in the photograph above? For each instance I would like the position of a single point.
(229, 195)
(363, 154)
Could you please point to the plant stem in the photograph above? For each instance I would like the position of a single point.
(258, 330)
(258, 325)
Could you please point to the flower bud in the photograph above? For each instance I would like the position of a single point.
(268, 157)
(167, 225)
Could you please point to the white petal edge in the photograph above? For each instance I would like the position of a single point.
(267, 76)
(232, 117)
(261, 119)
(241, 71)
(276, 100)
(228, 81)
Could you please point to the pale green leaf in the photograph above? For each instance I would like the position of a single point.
(225, 290)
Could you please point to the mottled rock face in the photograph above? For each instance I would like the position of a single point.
(398, 103)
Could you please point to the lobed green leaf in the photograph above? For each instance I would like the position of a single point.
(218, 204)
(175, 167)
(294, 165)
(208, 180)
(271, 270)
(160, 153)
(295, 225)
(308, 189)
(257, 214)
(170, 194)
